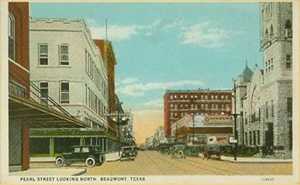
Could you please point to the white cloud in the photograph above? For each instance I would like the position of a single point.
(114, 32)
(205, 35)
(129, 80)
(117, 32)
(139, 88)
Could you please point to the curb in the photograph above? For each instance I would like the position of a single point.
(257, 161)
(80, 173)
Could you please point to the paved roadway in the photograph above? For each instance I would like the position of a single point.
(154, 163)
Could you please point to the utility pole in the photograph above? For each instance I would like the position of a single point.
(193, 129)
(235, 121)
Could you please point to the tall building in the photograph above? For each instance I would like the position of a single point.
(178, 103)
(18, 57)
(73, 73)
(25, 112)
(265, 101)
(109, 60)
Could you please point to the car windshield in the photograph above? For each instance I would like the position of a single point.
(85, 149)
(127, 149)
(76, 150)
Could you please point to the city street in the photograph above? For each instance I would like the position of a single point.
(154, 163)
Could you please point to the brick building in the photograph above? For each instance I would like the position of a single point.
(178, 103)
(200, 129)
(25, 112)
(109, 59)
(18, 57)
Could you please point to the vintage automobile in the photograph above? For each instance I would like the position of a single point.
(90, 155)
(128, 153)
(177, 151)
(212, 150)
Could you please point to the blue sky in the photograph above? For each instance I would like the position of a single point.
(173, 46)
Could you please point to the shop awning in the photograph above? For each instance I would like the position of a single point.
(37, 115)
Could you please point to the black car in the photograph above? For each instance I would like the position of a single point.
(128, 152)
(90, 155)
(212, 149)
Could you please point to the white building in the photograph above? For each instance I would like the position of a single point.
(264, 96)
(67, 66)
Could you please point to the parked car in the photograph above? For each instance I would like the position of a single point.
(90, 155)
(212, 150)
(177, 151)
(128, 152)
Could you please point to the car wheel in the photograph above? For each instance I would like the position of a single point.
(90, 162)
(59, 162)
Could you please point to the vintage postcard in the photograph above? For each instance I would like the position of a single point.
(156, 92)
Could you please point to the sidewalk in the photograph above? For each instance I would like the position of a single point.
(108, 157)
(255, 160)
(112, 157)
(42, 159)
(50, 172)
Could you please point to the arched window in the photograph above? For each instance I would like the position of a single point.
(271, 30)
(288, 28)
(11, 37)
(267, 33)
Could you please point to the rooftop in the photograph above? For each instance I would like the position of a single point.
(168, 91)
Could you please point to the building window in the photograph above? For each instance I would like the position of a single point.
(246, 138)
(64, 54)
(267, 34)
(250, 138)
(267, 111)
(288, 29)
(16, 89)
(288, 61)
(43, 54)
(259, 114)
(254, 137)
(11, 37)
(64, 92)
(44, 92)
(290, 106)
(258, 137)
(271, 31)
(272, 108)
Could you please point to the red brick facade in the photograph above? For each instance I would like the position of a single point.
(179, 103)
(20, 12)
(109, 60)
(19, 67)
